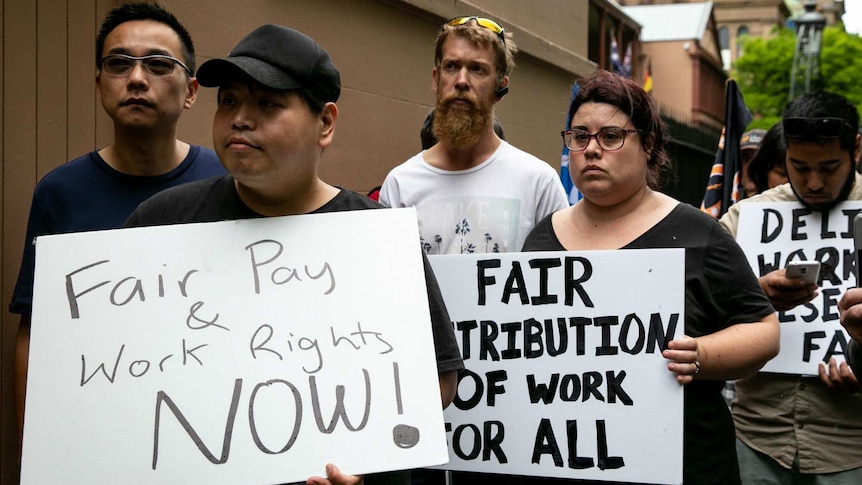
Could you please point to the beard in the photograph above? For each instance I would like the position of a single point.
(460, 126)
(841, 197)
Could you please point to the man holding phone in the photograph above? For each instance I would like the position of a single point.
(806, 271)
(792, 427)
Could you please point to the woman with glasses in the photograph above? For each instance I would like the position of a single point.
(617, 154)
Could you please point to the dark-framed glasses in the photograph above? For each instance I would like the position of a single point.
(481, 22)
(609, 138)
(824, 128)
(157, 64)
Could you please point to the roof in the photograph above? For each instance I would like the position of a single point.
(672, 21)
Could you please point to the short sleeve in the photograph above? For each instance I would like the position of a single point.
(731, 281)
(22, 295)
(445, 345)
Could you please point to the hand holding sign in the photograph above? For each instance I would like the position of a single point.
(838, 377)
(334, 476)
(683, 354)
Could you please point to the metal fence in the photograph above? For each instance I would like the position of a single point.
(692, 152)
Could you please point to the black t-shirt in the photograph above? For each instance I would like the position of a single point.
(216, 199)
(720, 290)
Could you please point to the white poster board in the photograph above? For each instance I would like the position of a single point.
(771, 234)
(565, 376)
(237, 352)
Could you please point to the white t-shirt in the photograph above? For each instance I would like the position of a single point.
(484, 209)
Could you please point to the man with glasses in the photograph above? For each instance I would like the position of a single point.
(791, 428)
(473, 192)
(145, 61)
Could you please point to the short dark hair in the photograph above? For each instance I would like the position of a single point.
(771, 153)
(630, 98)
(144, 11)
(822, 104)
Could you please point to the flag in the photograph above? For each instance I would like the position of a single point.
(648, 78)
(616, 63)
(722, 188)
(623, 66)
(627, 62)
(572, 192)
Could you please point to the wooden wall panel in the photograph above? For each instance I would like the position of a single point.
(51, 85)
(8, 449)
(81, 100)
(19, 175)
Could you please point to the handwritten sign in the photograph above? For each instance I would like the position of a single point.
(565, 376)
(775, 233)
(237, 352)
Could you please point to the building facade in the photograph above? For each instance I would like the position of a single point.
(50, 112)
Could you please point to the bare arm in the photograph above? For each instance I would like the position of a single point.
(731, 353)
(448, 386)
(22, 357)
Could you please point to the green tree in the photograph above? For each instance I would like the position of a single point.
(763, 71)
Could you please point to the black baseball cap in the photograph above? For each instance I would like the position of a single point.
(279, 58)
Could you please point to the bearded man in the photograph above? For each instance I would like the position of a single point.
(473, 192)
(796, 428)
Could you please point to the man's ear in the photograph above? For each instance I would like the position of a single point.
(191, 93)
(327, 124)
(856, 150)
(435, 80)
(503, 89)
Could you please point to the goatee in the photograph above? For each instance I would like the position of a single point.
(460, 125)
(826, 206)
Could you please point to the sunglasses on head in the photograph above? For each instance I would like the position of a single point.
(824, 128)
(481, 22)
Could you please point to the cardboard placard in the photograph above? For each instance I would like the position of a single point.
(771, 234)
(252, 351)
(565, 376)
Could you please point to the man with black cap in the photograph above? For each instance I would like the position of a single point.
(276, 115)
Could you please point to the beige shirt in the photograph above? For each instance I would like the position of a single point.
(782, 414)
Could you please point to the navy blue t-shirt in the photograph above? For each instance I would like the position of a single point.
(87, 194)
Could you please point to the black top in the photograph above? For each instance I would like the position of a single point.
(720, 290)
(216, 199)
(87, 194)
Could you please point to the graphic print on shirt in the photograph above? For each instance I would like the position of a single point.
(462, 225)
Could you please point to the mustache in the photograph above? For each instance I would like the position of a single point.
(459, 97)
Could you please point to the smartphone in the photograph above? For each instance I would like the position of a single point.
(857, 245)
(805, 270)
